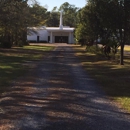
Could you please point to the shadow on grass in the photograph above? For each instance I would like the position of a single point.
(15, 62)
(113, 78)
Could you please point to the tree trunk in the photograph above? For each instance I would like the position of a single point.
(122, 54)
(125, 32)
(122, 47)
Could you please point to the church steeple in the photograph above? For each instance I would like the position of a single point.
(61, 21)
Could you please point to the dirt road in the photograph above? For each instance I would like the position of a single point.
(59, 95)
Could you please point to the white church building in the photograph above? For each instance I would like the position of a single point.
(61, 34)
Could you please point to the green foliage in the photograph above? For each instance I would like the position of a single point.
(113, 44)
(70, 13)
(86, 29)
(52, 19)
(94, 49)
(16, 16)
(107, 20)
(37, 15)
(20, 43)
(13, 21)
(112, 77)
(80, 32)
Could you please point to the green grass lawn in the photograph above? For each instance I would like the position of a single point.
(113, 78)
(127, 48)
(14, 62)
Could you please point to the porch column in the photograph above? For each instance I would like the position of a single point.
(51, 36)
(70, 38)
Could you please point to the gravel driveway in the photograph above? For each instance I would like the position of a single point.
(59, 95)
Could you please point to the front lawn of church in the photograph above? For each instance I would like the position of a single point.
(113, 78)
(16, 61)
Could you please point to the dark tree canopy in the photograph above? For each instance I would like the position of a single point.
(107, 20)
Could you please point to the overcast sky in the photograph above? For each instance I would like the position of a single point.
(52, 3)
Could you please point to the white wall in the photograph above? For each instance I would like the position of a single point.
(43, 35)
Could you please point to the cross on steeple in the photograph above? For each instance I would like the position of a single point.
(61, 20)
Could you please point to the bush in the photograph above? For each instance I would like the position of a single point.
(32, 41)
(42, 41)
(20, 43)
(1, 44)
(26, 43)
(5, 44)
(93, 49)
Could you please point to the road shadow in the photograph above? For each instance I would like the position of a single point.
(59, 95)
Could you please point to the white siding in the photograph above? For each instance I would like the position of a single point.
(43, 35)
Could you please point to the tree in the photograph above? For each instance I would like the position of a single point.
(124, 25)
(69, 15)
(52, 19)
(90, 27)
(69, 12)
(54, 9)
(12, 22)
(16, 16)
(100, 21)
(38, 15)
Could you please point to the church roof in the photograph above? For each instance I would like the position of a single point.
(60, 29)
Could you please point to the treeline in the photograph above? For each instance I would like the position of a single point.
(69, 15)
(107, 21)
(17, 15)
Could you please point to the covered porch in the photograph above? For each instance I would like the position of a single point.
(57, 35)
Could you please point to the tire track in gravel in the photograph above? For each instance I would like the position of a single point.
(59, 95)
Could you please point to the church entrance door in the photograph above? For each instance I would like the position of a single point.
(61, 39)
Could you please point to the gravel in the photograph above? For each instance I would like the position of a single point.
(59, 95)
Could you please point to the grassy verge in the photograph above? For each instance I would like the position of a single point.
(16, 61)
(113, 78)
(127, 48)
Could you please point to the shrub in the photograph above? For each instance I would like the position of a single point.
(20, 43)
(5, 44)
(93, 49)
(32, 41)
(26, 43)
(42, 41)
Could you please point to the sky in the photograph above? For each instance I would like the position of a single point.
(52, 3)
